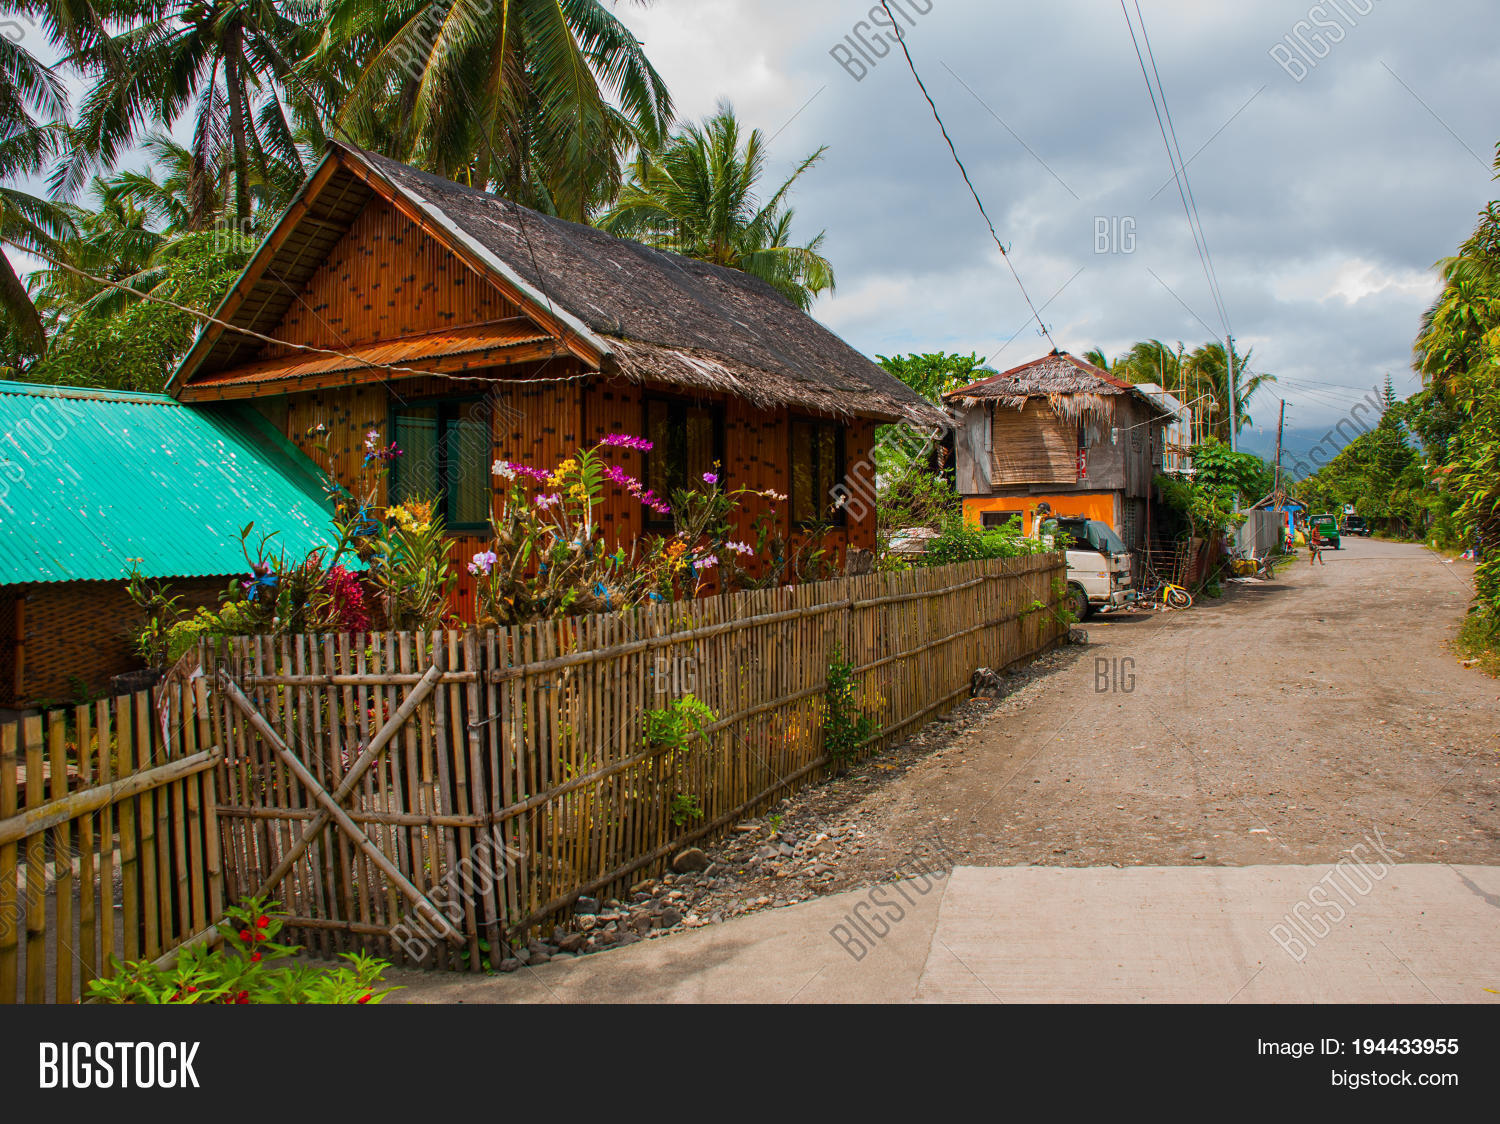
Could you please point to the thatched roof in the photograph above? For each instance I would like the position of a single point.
(622, 307)
(1074, 388)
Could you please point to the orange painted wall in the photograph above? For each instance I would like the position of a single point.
(1096, 505)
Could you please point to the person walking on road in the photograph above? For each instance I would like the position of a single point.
(1315, 547)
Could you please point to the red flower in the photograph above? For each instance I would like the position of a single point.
(365, 998)
(262, 922)
(255, 958)
(191, 989)
(244, 934)
(262, 936)
(242, 997)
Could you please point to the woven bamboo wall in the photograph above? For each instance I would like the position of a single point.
(77, 635)
(1032, 446)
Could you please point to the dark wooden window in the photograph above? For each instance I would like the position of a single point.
(687, 442)
(1000, 518)
(817, 468)
(445, 457)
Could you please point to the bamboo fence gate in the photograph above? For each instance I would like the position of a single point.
(468, 787)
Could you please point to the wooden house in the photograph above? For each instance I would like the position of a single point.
(1061, 431)
(469, 329)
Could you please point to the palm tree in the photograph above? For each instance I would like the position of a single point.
(1451, 340)
(180, 195)
(228, 63)
(1146, 361)
(114, 240)
(539, 99)
(27, 88)
(696, 196)
(1153, 361)
(1206, 374)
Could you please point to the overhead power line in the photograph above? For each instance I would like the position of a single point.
(1168, 130)
(1174, 158)
(978, 202)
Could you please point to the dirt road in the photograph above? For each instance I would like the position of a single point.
(1275, 729)
(1282, 725)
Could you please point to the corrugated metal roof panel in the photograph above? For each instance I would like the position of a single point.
(90, 480)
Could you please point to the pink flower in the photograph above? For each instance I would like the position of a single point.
(482, 563)
(526, 470)
(624, 441)
(707, 562)
(740, 547)
(710, 478)
(653, 501)
(548, 501)
(617, 475)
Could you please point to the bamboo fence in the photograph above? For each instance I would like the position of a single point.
(426, 796)
(523, 776)
(109, 842)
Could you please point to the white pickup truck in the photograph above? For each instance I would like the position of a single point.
(1099, 565)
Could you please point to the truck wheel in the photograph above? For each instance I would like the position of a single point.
(1078, 601)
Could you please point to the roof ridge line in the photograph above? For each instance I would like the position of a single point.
(62, 390)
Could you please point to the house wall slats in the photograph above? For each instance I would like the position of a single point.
(1107, 467)
(383, 280)
(974, 453)
(544, 422)
(1032, 446)
(1140, 440)
(610, 407)
(348, 413)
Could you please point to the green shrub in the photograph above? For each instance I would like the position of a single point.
(238, 970)
(961, 541)
(845, 726)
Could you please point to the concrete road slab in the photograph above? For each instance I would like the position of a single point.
(1414, 934)
(774, 956)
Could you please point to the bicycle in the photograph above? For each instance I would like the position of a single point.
(1243, 564)
(1168, 595)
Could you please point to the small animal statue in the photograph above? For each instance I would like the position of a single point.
(858, 563)
(986, 684)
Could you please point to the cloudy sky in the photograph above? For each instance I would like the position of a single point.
(1336, 150)
(1324, 201)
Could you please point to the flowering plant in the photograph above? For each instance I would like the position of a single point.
(239, 972)
(410, 567)
(547, 557)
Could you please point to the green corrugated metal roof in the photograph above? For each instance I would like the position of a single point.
(90, 479)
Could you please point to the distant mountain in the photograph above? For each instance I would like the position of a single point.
(1297, 446)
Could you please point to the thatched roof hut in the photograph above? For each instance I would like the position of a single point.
(1077, 391)
(621, 307)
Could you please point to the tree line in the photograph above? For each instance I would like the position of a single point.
(1431, 468)
(552, 103)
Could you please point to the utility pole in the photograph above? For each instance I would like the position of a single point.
(1280, 424)
(1234, 404)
